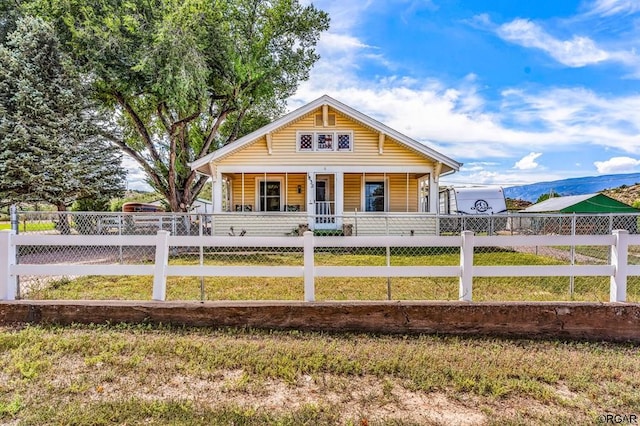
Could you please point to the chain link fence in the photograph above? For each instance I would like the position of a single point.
(327, 288)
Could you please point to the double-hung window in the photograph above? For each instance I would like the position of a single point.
(269, 198)
(374, 196)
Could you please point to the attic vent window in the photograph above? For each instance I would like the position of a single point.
(344, 141)
(331, 120)
(305, 142)
(324, 141)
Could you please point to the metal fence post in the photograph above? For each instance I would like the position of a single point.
(619, 260)
(160, 270)
(466, 266)
(15, 220)
(8, 281)
(309, 268)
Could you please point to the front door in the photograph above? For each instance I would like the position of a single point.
(325, 201)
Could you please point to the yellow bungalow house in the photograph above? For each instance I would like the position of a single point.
(325, 166)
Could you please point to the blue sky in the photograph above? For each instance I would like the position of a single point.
(519, 91)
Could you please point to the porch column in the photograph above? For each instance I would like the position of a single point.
(217, 192)
(433, 194)
(339, 197)
(311, 198)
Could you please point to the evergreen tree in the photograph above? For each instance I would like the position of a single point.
(9, 13)
(50, 144)
(547, 195)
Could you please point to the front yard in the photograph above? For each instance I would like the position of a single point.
(269, 288)
(123, 374)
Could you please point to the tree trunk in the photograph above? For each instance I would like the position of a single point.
(63, 224)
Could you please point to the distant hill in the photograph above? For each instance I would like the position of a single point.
(574, 186)
(626, 194)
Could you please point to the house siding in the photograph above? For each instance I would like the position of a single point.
(352, 192)
(402, 199)
(290, 181)
(365, 148)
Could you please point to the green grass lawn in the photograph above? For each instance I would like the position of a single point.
(30, 226)
(122, 374)
(244, 288)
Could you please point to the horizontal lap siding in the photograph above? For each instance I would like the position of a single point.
(365, 148)
(398, 200)
(293, 198)
(398, 225)
(352, 192)
(255, 225)
(280, 225)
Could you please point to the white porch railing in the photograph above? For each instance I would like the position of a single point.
(325, 212)
(617, 269)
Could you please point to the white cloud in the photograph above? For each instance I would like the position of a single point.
(614, 7)
(481, 21)
(528, 162)
(340, 43)
(576, 52)
(617, 165)
(136, 177)
(499, 177)
(577, 116)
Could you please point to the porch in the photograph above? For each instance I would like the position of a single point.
(329, 199)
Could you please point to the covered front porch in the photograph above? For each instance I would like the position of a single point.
(322, 199)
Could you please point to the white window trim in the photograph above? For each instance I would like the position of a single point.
(348, 132)
(261, 179)
(363, 200)
(227, 196)
(314, 136)
(423, 189)
(313, 139)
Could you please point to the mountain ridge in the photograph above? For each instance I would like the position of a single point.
(572, 186)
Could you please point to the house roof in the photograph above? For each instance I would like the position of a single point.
(338, 106)
(587, 203)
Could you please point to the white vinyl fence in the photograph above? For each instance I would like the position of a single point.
(616, 268)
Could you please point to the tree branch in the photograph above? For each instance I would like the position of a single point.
(139, 125)
(236, 127)
(163, 119)
(155, 177)
(212, 134)
(197, 187)
(171, 178)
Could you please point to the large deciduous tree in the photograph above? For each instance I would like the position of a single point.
(51, 148)
(185, 77)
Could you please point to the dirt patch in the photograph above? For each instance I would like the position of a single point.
(356, 398)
